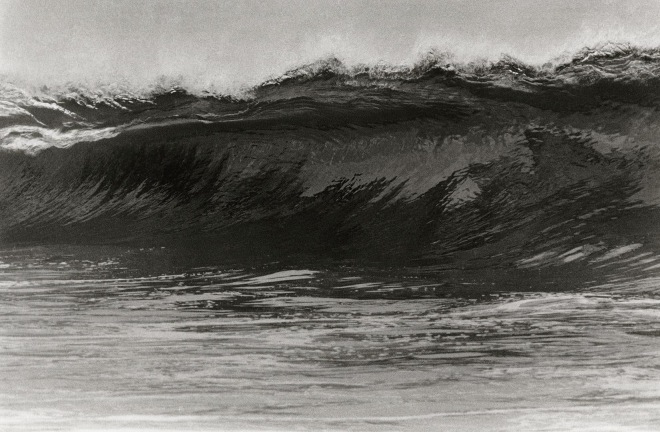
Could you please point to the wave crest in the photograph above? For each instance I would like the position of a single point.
(329, 93)
(607, 60)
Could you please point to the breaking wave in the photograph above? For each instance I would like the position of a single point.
(440, 166)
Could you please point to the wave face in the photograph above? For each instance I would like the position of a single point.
(437, 167)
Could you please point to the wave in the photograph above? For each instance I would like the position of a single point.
(437, 166)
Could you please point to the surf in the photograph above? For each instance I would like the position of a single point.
(429, 165)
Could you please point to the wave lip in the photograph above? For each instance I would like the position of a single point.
(604, 61)
(328, 92)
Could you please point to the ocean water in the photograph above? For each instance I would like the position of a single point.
(441, 247)
(320, 349)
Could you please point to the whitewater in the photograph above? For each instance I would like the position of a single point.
(440, 245)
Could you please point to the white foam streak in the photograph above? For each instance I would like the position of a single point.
(9, 110)
(622, 250)
(34, 139)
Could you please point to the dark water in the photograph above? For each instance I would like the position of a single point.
(466, 247)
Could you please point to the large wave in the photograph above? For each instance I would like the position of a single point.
(438, 165)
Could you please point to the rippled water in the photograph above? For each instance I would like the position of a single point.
(272, 348)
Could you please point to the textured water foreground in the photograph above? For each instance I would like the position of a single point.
(319, 349)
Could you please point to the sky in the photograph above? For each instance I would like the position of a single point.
(244, 42)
